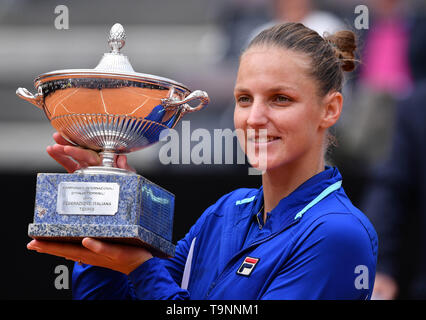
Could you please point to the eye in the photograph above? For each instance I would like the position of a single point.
(243, 100)
(281, 99)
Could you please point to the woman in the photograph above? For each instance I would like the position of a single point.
(296, 237)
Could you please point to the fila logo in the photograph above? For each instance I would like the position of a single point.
(247, 266)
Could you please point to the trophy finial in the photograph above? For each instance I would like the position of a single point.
(115, 61)
(116, 38)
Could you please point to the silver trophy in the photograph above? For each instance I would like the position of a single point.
(112, 110)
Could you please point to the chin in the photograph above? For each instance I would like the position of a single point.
(276, 161)
(265, 165)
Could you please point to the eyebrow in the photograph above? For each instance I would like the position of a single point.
(272, 89)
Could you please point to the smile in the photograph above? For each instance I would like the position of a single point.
(263, 139)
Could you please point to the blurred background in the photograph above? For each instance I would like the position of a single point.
(381, 134)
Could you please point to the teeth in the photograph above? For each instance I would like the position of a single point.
(263, 140)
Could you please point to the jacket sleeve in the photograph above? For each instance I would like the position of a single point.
(160, 279)
(154, 280)
(91, 282)
(334, 259)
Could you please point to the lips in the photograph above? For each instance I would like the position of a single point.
(262, 139)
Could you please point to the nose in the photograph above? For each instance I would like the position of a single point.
(258, 115)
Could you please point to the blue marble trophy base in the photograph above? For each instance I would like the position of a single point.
(119, 208)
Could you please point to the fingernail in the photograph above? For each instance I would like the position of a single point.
(32, 247)
(87, 240)
(90, 243)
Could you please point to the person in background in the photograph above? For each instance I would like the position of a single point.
(302, 11)
(384, 78)
(395, 199)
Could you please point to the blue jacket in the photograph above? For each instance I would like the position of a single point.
(327, 251)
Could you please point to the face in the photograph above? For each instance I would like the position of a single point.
(275, 94)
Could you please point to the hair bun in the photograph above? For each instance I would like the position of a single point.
(344, 45)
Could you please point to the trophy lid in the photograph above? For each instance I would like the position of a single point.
(113, 64)
(115, 61)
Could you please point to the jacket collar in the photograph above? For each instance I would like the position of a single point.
(284, 213)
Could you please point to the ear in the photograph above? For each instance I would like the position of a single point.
(332, 108)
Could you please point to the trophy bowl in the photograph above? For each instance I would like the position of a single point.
(111, 109)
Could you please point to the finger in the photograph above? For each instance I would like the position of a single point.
(108, 250)
(59, 155)
(83, 156)
(89, 157)
(65, 250)
(120, 257)
(70, 251)
(59, 139)
(122, 163)
(32, 245)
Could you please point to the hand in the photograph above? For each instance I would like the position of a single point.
(73, 158)
(385, 287)
(118, 257)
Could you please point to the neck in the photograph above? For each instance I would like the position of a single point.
(280, 182)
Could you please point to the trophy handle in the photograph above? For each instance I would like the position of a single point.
(172, 102)
(36, 99)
